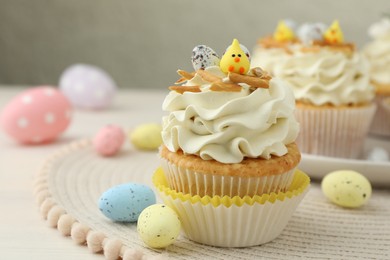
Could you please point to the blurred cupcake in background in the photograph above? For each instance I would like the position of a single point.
(330, 80)
(378, 55)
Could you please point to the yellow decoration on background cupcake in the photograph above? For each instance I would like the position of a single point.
(235, 60)
(283, 33)
(334, 35)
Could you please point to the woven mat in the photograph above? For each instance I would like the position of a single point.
(72, 180)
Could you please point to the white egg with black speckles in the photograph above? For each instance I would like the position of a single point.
(125, 202)
(310, 32)
(346, 188)
(244, 49)
(203, 57)
(158, 226)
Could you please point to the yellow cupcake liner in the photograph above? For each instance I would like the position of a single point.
(234, 222)
(298, 185)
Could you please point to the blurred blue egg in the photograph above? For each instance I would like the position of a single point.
(310, 32)
(125, 202)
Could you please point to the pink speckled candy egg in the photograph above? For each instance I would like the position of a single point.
(87, 86)
(37, 115)
(109, 140)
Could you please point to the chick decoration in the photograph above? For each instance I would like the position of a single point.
(283, 32)
(234, 59)
(334, 35)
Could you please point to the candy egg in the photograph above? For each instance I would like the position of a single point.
(87, 86)
(309, 32)
(203, 57)
(109, 140)
(125, 202)
(346, 188)
(158, 226)
(146, 136)
(37, 115)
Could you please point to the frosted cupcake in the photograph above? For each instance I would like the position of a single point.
(378, 54)
(230, 130)
(331, 85)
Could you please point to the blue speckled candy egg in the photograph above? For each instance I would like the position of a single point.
(125, 202)
(203, 57)
(310, 32)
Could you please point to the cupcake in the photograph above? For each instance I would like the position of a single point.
(378, 55)
(228, 158)
(230, 130)
(330, 81)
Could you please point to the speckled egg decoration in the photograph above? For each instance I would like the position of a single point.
(87, 86)
(37, 116)
(245, 49)
(146, 136)
(158, 226)
(310, 32)
(203, 57)
(346, 188)
(125, 202)
(109, 140)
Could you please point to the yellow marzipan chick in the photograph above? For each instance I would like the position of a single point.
(235, 59)
(333, 34)
(283, 33)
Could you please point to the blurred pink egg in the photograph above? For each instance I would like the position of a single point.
(87, 86)
(37, 115)
(109, 140)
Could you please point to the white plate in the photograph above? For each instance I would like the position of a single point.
(377, 172)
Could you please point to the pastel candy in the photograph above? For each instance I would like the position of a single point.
(125, 202)
(346, 188)
(158, 226)
(310, 32)
(203, 57)
(146, 136)
(109, 140)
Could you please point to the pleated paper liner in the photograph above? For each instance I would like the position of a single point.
(234, 221)
(197, 183)
(334, 132)
(381, 122)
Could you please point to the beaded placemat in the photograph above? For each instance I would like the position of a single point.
(71, 181)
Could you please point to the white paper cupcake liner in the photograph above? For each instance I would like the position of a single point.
(334, 132)
(235, 222)
(195, 183)
(381, 121)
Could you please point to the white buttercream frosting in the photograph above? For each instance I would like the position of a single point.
(378, 52)
(228, 126)
(325, 76)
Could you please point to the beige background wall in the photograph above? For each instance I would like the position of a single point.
(141, 43)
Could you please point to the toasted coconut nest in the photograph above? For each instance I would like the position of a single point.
(270, 42)
(253, 81)
(225, 87)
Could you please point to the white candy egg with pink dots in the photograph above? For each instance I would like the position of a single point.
(109, 140)
(37, 115)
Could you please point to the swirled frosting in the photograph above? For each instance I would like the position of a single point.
(378, 52)
(321, 76)
(327, 77)
(228, 126)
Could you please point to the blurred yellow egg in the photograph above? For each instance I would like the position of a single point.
(146, 136)
(346, 188)
(158, 226)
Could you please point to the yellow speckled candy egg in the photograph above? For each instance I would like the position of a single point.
(158, 225)
(146, 136)
(346, 188)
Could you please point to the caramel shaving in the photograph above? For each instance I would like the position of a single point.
(185, 74)
(259, 72)
(254, 82)
(182, 89)
(226, 87)
(207, 76)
